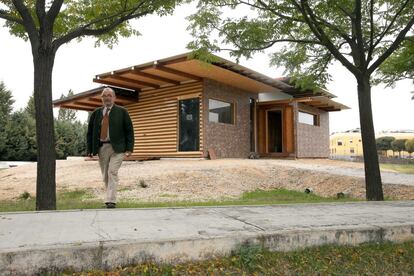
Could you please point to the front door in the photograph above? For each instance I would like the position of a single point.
(274, 131)
(189, 125)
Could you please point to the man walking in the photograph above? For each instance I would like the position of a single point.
(111, 136)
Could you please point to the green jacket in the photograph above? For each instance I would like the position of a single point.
(121, 132)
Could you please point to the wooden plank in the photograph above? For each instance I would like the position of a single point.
(177, 72)
(154, 77)
(212, 154)
(261, 139)
(120, 84)
(168, 94)
(288, 131)
(134, 81)
(94, 105)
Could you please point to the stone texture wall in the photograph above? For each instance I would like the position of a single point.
(227, 140)
(312, 141)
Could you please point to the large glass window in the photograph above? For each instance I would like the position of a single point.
(309, 119)
(220, 112)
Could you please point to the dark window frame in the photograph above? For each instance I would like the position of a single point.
(232, 111)
(316, 118)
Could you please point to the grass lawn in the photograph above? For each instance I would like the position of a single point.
(365, 259)
(401, 168)
(81, 199)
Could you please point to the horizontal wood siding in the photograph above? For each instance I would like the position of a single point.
(155, 120)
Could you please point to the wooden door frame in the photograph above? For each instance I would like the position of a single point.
(182, 98)
(266, 109)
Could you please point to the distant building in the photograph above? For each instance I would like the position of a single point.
(348, 144)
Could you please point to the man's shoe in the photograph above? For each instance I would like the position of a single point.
(110, 205)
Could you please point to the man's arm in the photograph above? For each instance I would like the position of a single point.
(129, 133)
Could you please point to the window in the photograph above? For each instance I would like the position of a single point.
(220, 112)
(309, 119)
(350, 141)
(351, 150)
(339, 143)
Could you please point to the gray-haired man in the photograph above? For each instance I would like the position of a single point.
(111, 136)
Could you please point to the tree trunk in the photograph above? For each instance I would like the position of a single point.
(46, 157)
(373, 183)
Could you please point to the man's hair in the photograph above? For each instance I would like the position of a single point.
(109, 89)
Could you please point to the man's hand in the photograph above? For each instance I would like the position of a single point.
(127, 153)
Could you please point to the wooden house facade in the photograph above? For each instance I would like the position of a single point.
(183, 107)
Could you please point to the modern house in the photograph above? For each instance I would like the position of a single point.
(183, 107)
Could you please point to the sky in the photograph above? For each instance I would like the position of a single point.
(78, 62)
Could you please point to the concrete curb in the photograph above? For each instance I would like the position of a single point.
(110, 254)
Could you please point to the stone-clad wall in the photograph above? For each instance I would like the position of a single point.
(312, 141)
(227, 140)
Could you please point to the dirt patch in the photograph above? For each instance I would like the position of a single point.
(201, 180)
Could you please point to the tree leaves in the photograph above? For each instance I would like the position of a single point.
(305, 36)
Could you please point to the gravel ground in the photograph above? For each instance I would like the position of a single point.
(201, 180)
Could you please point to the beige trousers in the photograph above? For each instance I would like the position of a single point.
(110, 162)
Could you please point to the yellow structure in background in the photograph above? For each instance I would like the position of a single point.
(349, 143)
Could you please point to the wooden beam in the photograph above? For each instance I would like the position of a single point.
(176, 72)
(331, 109)
(154, 77)
(133, 81)
(120, 98)
(87, 104)
(116, 84)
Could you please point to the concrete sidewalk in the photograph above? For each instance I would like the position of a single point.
(102, 239)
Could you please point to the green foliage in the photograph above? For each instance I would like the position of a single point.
(310, 34)
(6, 103)
(398, 145)
(18, 132)
(70, 138)
(82, 199)
(248, 256)
(384, 143)
(66, 114)
(400, 65)
(20, 141)
(409, 146)
(6, 107)
(364, 259)
(25, 195)
(30, 107)
(106, 20)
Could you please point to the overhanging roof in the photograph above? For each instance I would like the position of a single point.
(178, 70)
(184, 68)
(321, 102)
(91, 99)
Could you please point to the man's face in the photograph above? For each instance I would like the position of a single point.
(108, 97)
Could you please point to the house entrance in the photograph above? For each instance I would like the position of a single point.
(274, 131)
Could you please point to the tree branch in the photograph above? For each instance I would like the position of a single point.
(28, 22)
(359, 50)
(5, 15)
(321, 35)
(54, 10)
(40, 10)
(393, 46)
(381, 36)
(371, 34)
(85, 31)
